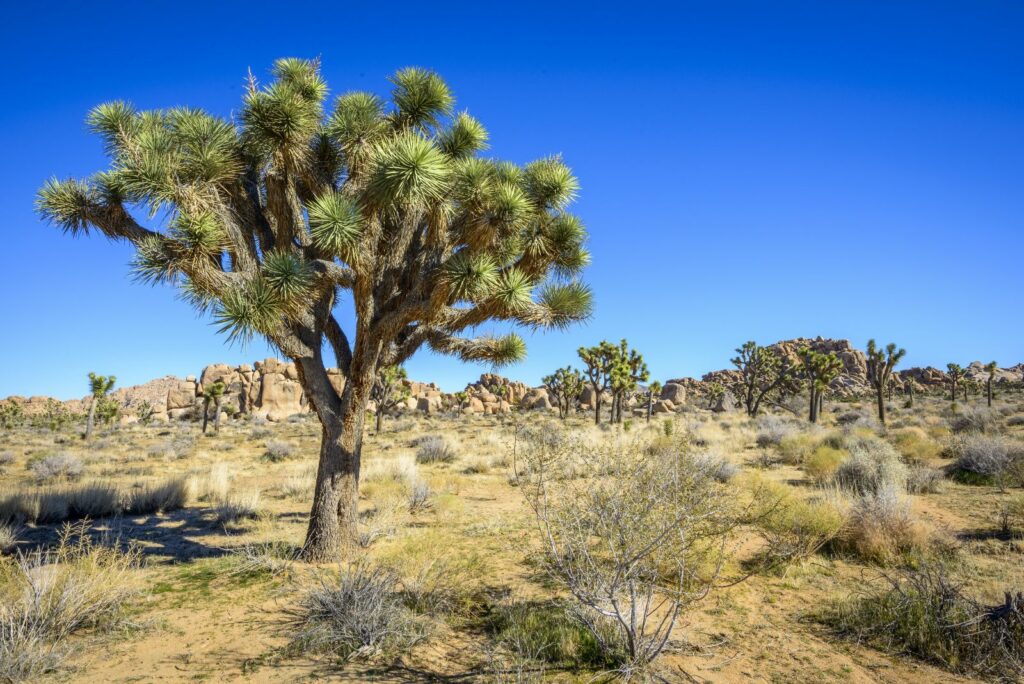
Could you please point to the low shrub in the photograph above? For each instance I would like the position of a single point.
(794, 449)
(973, 419)
(771, 430)
(160, 497)
(922, 479)
(881, 528)
(93, 500)
(276, 451)
(873, 465)
(822, 463)
(925, 613)
(916, 446)
(238, 506)
(60, 466)
(533, 633)
(50, 594)
(356, 614)
(795, 528)
(435, 449)
(989, 459)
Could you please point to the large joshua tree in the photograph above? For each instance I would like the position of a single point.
(880, 364)
(271, 217)
(599, 361)
(99, 388)
(628, 370)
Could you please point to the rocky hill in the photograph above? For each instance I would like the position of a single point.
(271, 389)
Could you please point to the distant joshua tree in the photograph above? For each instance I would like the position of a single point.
(653, 390)
(599, 361)
(715, 394)
(388, 390)
(628, 370)
(99, 388)
(880, 364)
(565, 384)
(991, 369)
(955, 372)
(820, 369)
(461, 399)
(213, 393)
(273, 214)
(763, 375)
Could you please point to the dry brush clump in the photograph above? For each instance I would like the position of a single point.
(50, 594)
(61, 466)
(356, 613)
(94, 500)
(925, 613)
(988, 459)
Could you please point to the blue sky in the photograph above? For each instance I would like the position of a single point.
(758, 170)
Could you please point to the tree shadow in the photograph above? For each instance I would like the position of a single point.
(174, 537)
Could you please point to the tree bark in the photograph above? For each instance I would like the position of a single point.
(881, 407)
(216, 414)
(89, 420)
(597, 408)
(988, 390)
(206, 413)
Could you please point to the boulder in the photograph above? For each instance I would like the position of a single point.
(673, 392)
(536, 399)
(663, 406)
(428, 404)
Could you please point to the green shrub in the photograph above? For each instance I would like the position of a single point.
(822, 463)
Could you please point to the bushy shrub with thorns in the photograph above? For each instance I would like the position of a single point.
(60, 466)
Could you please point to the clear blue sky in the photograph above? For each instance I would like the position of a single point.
(754, 170)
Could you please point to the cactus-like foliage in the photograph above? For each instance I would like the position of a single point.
(565, 385)
(763, 376)
(715, 393)
(819, 370)
(389, 389)
(955, 373)
(628, 371)
(599, 361)
(273, 214)
(213, 393)
(653, 390)
(99, 388)
(880, 364)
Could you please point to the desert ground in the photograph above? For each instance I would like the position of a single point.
(197, 579)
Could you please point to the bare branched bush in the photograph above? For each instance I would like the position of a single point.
(356, 614)
(635, 538)
(421, 497)
(922, 479)
(974, 419)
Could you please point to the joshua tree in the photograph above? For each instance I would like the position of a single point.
(653, 390)
(271, 214)
(565, 384)
(460, 400)
(820, 369)
(99, 388)
(600, 360)
(955, 373)
(763, 375)
(880, 365)
(990, 368)
(715, 395)
(212, 393)
(628, 370)
(388, 390)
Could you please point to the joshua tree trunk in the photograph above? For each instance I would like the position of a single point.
(953, 395)
(91, 418)
(206, 413)
(332, 521)
(813, 415)
(881, 406)
(988, 391)
(216, 414)
(597, 408)
(650, 405)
